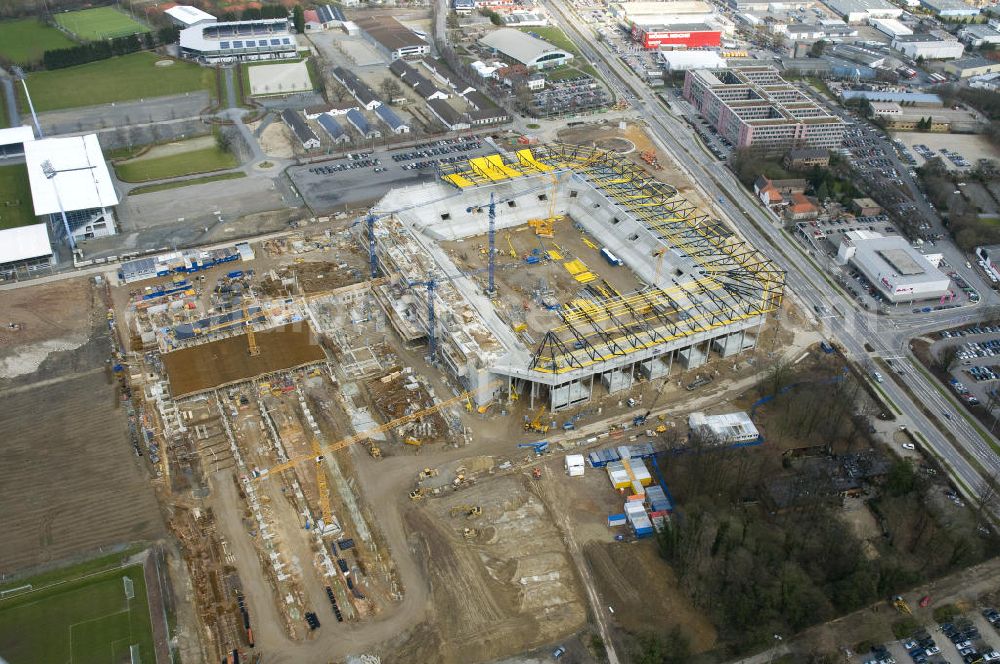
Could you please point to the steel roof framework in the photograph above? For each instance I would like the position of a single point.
(735, 283)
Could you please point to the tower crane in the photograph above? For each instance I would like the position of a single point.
(254, 349)
(364, 435)
(492, 207)
(321, 485)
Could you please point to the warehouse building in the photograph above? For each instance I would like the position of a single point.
(723, 429)
(949, 8)
(928, 47)
(754, 106)
(334, 129)
(522, 48)
(807, 31)
(641, 12)
(680, 35)
(420, 83)
(860, 11)
(919, 99)
(890, 27)
(306, 136)
(452, 119)
(393, 121)
(676, 61)
(897, 270)
(239, 41)
(358, 88)
(360, 122)
(968, 67)
(185, 16)
(69, 175)
(393, 39)
(979, 35)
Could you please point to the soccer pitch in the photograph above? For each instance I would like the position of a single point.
(99, 23)
(85, 619)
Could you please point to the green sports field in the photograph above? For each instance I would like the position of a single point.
(128, 77)
(99, 23)
(78, 620)
(24, 41)
(184, 163)
(15, 199)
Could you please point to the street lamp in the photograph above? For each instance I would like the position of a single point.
(19, 75)
(50, 173)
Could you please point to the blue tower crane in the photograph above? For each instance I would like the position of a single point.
(492, 207)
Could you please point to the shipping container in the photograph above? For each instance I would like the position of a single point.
(611, 258)
(616, 520)
(345, 544)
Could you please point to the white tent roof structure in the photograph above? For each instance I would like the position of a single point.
(189, 15)
(24, 242)
(82, 176)
(15, 135)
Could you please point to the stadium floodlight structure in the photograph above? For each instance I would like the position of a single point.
(19, 75)
(51, 172)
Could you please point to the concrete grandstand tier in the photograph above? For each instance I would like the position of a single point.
(672, 281)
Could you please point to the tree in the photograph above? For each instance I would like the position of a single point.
(389, 88)
(299, 19)
(817, 48)
(252, 14)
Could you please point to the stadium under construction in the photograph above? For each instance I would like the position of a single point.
(590, 275)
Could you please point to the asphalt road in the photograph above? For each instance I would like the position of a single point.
(806, 281)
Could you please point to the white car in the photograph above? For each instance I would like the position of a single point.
(909, 446)
(877, 376)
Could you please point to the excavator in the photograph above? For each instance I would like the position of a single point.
(640, 420)
(470, 511)
(536, 424)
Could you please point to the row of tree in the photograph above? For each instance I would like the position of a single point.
(89, 52)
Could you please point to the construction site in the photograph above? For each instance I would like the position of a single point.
(468, 311)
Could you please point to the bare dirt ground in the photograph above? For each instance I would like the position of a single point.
(41, 320)
(275, 140)
(69, 482)
(509, 588)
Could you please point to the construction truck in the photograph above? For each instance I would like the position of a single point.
(536, 424)
(418, 494)
(470, 511)
(900, 604)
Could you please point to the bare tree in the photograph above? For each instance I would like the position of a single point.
(390, 89)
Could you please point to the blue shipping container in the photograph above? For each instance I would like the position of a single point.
(610, 257)
(616, 520)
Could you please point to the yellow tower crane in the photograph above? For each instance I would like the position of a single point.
(251, 339)
(321, 484)
(365, 435)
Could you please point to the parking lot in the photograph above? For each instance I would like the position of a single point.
(957, 151)
(362, 178)
(970, 638)
(976, 363)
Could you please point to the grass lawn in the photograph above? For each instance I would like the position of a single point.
(24, 41)
(183, 163)
(99, 23)
(15, 197)
(82, 620)
(163, 186)
(124, 78)
(4, 120)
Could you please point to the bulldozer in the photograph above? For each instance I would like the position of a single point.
(418, 494)
(470, 511)
(410, 440)
(901, 605)
(427, 473)
(375, 451)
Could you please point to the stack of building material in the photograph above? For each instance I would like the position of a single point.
(638, 519)
(580, 271)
